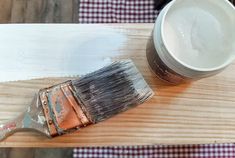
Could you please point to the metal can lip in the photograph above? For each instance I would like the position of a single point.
(172, 61)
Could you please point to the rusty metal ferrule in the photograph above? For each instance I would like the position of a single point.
(62, 110)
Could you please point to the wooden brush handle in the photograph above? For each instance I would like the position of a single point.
(10, 127)
(32, 119)
(22, 123)
(54, 111)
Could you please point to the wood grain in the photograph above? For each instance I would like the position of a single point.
(38, 11)
(17, 11)
(5, 9)
(199, 112)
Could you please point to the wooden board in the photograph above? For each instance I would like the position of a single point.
(199, 112)
(39, 11)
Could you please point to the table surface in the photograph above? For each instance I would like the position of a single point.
(199, 112)
(39, 11)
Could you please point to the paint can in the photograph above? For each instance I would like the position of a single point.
(192, 39)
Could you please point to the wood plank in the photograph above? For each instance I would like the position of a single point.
(66, 11)
(76, 7)
(5, 11)
(59, 11)
(38, 11)
(199, 112)
(18, 11)
(48, 11)
(33, 11)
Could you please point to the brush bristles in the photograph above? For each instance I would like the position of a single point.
(111, 90)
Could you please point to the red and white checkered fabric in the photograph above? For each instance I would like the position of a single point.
(161, 151)
(117, 11)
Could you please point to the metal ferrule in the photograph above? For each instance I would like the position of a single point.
(62, 110)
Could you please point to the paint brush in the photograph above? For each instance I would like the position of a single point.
(90, 99)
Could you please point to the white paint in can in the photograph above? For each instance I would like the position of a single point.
(196, 38)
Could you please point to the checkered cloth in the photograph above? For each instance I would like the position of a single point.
(117, 11)
(162, 151)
